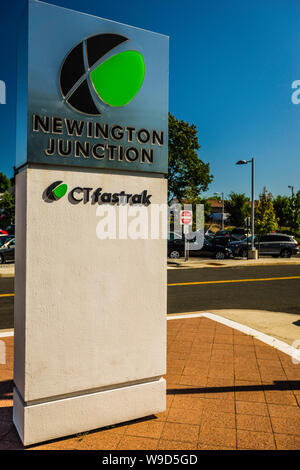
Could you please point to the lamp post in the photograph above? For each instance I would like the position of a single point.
(293, 206)
(244, 162)
(222, 209)
(292, 188)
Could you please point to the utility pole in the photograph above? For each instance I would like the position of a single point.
(222, 220)
(222, 211)
(293, 204)
(252, 204)
(292, 188)
(244, 162)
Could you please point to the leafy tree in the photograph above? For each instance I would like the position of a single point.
(188, 175)
(13, 180)
(265, 217)
(5, 183)
(295, 209)
(283, 209)
(191, 199)
(238, 207)
(207, 207)
(7, 209)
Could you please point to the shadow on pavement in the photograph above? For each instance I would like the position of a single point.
(277, 385)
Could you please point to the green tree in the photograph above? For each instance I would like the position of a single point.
(295, 209)
(238, 207)
(207, 207)
(5, 183)
(265, 217)
(7, 208)
(284, 210)
(191, 199)
(188, 175)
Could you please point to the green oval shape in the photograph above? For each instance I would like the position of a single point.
(60, 191)
(119, 78)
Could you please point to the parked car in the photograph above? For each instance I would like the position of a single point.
(232, 235)
(209, 249)
(223, 237)
(174, 235)
(3, 232)
(240, 232)
(274, 244)
(222, 233)
(7, 251)
(209, 233)
(5, 238)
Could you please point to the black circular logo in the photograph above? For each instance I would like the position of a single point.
(116, 81)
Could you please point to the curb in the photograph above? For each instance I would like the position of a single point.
(6, 333)
(221, 265)
(269, 340)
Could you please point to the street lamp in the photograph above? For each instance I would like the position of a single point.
(293, 207)
(244, 162)
(222, 209)
(292, 188)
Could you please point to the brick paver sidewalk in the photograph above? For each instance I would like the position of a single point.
(226, 390)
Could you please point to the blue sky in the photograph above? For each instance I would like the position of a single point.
(232, 64)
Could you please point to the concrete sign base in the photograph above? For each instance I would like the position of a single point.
(67, 416)
(90, 305)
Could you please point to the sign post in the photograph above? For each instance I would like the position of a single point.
(92, 152)
(186, 219)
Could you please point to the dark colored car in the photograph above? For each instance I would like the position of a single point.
(209, 233)
(7, 251)
(5, 238)
(274, 244)
(223, 237)
(209, 249)
(222, 233)
(174, 235)
(240, 233)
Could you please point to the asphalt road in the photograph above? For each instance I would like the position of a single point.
(281, 295)
(6, 303)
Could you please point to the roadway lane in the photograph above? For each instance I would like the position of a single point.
(6, 303)
(275, 295)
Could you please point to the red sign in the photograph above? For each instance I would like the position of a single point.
(186, 217)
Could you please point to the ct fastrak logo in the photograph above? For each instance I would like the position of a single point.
(116, 81)
(58, 189)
